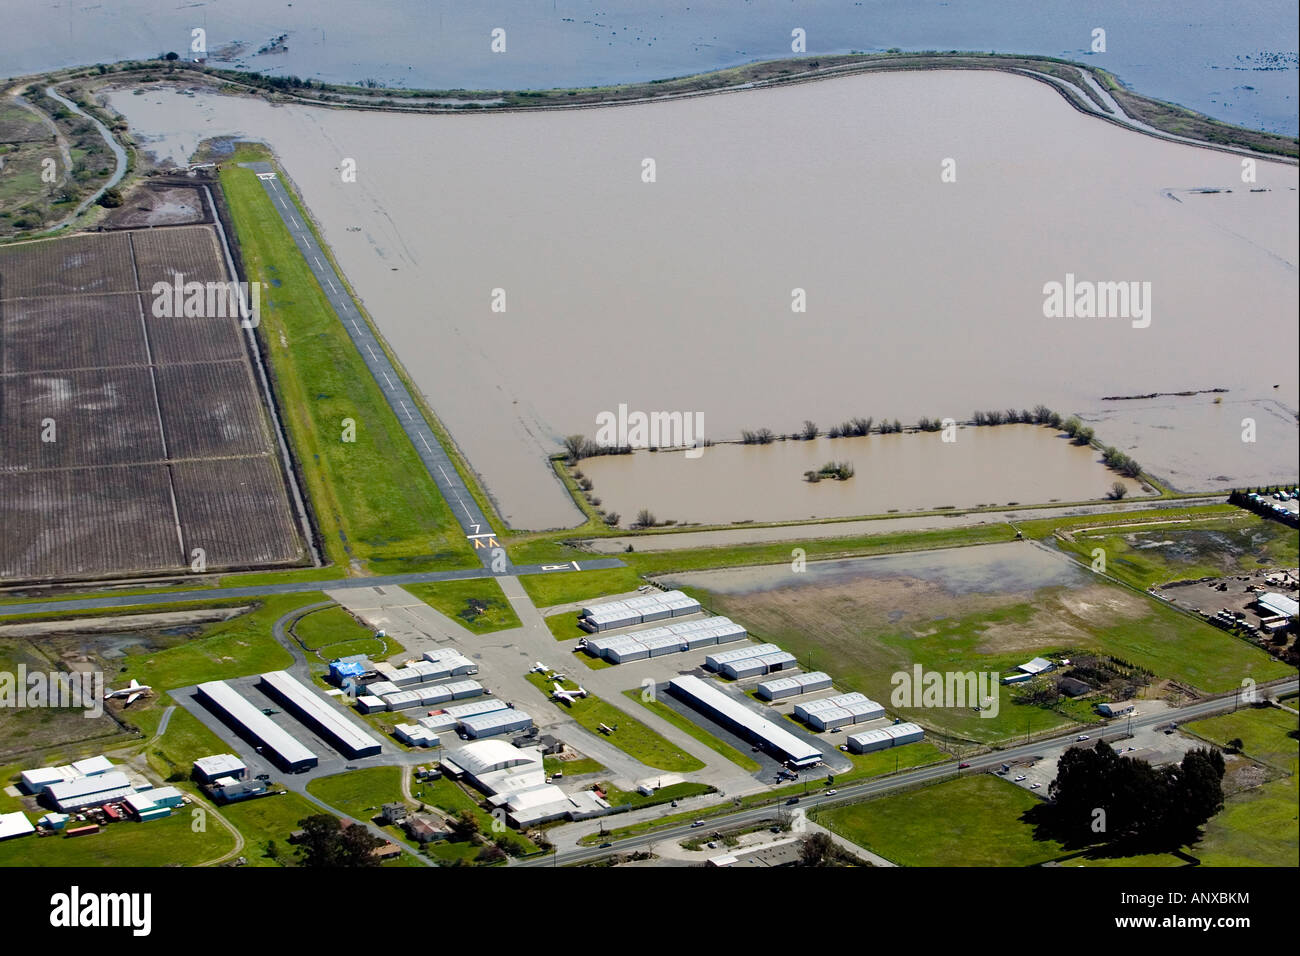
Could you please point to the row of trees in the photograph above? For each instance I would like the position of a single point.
(1121, 462)
(1081, 433)
(577, 447)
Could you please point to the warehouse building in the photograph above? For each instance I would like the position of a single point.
(320, 715)
(230, 790)
(475, 707)
(609, 616)
(255, 727)
(758, 666)
(36, 780)
(72, 795)
(1039, 665)
(496, 723)
(642, 609)
(420, 696)
(208, 769)
(438, 722)
(831, 713)
(92, 765)
(627, 651)
(1278, 604)
(869, 741)
(15, 825)
(715, 661)
(670, 638)
(413, 735)
(904, 733)
(895, 735)
(494, 766)
(731, 713)
(154, 804)
(793, 686)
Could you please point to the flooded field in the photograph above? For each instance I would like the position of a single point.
(1228, 61)
(1002, 569)
(987, 608)
(1203, 445)
(677, 294)
(1007, 464)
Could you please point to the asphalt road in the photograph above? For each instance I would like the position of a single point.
(294, 587)
(852, 792)
(426, 444)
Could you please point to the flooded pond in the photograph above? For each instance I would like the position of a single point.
(1003, 465)
(677, 294)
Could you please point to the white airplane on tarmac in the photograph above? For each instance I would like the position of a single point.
(132, 693)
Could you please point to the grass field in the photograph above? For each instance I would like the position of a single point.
(548, 590)
(972, 821)
(873, 619)
(1267, 735)
(1215, 546)
(170, 841)
(572, 768)
(744, 761)
(360, 793)
(240, 646)
(269, 820)
(630, 735)
(478, 604)
(332, 632)
(564, 626)
(635, 800)
(1258, 827)
(373, 498)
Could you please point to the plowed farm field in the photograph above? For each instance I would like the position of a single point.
(129, 440)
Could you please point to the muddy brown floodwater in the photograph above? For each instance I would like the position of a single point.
(924, 297)
(1007, 464)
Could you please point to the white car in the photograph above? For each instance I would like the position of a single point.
(1082, 737)
(1034, 786)
(831, 793)
(1019, 778)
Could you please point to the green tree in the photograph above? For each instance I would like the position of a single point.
(325, 843)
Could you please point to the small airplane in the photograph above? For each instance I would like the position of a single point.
(539, 668)
(132, 693)
(568, 696)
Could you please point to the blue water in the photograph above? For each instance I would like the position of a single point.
(1235, 61)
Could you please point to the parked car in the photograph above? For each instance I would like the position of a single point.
(1020, 777)
(1034, 786)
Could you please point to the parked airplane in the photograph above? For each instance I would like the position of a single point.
(568, 696)
(539, 668)
(132, 693)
